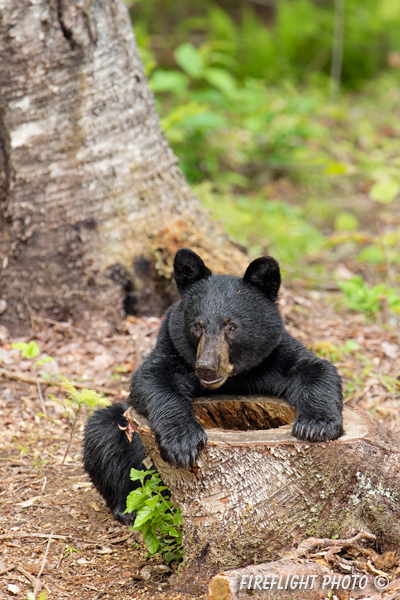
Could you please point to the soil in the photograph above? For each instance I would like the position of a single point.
(54, 526)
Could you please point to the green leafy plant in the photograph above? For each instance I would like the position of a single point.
(30, 350)
(32, 596)
(86, 397)
(23, 449)
(243, 102)
(69, 550)
(245, 45)
(75, 401)
(326, 349)
(360, 297)
(156, 517)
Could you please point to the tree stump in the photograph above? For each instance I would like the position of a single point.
(256, 491)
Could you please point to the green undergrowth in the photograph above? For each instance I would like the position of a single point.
(289, 168)
(264, 225)
(290, 39)
(370, 299)
(156, 516)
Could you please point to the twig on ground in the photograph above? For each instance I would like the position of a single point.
(305, 547)
(7, 569)
(29, 379)
(37, 584)
(61, 558)
(23, 572)
(41, 397)
(312, 328)
(26, 574)
(47, 506)
(22, 535)
(71, 434)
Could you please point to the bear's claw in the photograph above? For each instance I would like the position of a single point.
(313, 430)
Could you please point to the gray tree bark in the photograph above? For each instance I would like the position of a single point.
(93, 204)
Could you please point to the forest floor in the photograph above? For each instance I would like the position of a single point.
(90, 555)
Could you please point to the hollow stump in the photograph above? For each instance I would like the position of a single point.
(255, 493)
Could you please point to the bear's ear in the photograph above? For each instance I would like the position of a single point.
(264, 273)
(189, 268)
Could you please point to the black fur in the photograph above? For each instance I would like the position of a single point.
(264, 359)
(108, 454)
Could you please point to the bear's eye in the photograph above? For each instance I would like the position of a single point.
(232, 328)
(197, 328)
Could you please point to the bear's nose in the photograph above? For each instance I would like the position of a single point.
(207, 372)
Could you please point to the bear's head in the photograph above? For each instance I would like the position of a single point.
(225, 325)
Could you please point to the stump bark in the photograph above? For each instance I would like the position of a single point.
(256, 493)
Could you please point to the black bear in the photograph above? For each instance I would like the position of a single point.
(225, 335)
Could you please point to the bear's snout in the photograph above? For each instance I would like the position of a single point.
(212, 362)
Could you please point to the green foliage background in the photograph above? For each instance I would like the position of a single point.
(245, 99)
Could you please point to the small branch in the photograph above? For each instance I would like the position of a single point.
(37, 584)
(7, 570)
(19, 536)
(47, 506)
(71, 434)
(61, 558)
(34, 581)
(29, 379)
(23, 572)
(305, 547)
(41, 397)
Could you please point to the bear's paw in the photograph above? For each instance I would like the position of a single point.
(313, 430)
(180, 446)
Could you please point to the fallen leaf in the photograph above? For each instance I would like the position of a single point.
(146, 572)
(105, 550)
(390, 350)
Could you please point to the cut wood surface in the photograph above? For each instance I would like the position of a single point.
(286, 580)
(231, 412)
(255, 494)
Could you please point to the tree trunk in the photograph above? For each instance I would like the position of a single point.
(92, 202)
(255, 494)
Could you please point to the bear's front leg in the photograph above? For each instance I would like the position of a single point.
(171, 417)
(161, 392)
(316, 392)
